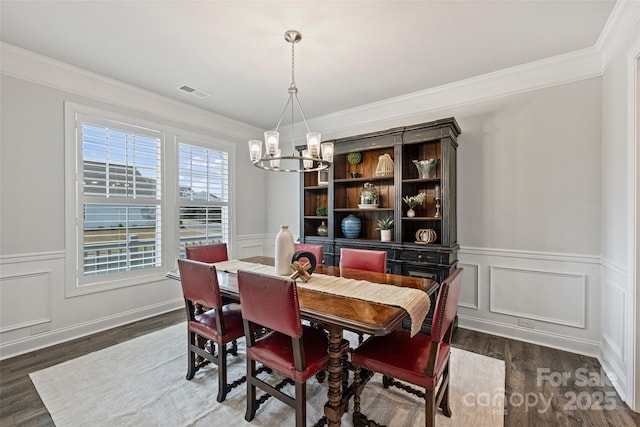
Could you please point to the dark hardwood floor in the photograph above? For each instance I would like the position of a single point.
(544, 387)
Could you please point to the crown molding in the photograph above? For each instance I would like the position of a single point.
(574, 66)
(622, 22)
(39, 69)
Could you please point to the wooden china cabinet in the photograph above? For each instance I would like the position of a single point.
(340, 190)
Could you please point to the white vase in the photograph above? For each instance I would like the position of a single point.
(284, 251)
(385, 235)
(411, 213)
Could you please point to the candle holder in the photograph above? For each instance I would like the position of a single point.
(437, 198)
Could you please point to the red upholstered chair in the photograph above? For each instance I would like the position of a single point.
(422, 360)
(314, 249)
(219, 325)
(294, 350)
(363, 259)
(208, 253)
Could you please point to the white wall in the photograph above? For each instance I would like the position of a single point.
(33, 309)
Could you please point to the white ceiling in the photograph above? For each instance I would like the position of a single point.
(352, 52)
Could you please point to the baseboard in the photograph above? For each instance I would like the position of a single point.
(547, 339)
(37, 342)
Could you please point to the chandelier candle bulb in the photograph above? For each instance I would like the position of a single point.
(271, 140)
(308, 164)
(313, 143)
(327, 151)
(255, 149)
(276, 162)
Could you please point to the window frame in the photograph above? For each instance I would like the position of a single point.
(182, 203)
(169, 205)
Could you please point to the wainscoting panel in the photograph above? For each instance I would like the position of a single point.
(542, 295)
(250, 245)
(551, 299)
(613, 325)
(26, 300)
(616, 355)
(470, 292)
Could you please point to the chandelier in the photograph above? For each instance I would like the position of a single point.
(316, 157)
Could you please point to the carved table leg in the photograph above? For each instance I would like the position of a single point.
(333, 409)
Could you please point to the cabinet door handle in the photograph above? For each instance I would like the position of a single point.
(420, 256)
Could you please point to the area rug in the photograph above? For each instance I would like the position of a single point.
(142, 382)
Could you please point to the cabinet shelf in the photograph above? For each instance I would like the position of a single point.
(316, 187)
(316, 217)
(362, 210)
(421, 218)
(361, 180)
(418, 180)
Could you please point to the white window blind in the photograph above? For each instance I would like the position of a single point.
(203, 185)
(120, 197)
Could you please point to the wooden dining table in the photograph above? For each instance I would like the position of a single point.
(338, 313)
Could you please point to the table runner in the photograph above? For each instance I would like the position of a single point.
(414, 301)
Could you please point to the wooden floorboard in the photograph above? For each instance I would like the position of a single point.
(526, 391)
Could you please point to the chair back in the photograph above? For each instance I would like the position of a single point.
(446, 305)
(200, 283)
(317, 250)
(271, 302)
(363, 259)
(208, 253)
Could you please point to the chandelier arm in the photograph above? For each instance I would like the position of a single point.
(302, 112)
(293, 128)
(284, 110)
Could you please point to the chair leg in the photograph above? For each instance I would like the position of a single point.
(234, 348)
(191, 356)
(430, 408)
(387, 381)
(301, 404)
(444, 402)
(357, 391)
(251, 390)
(222, 372)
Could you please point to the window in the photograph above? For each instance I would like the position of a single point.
(120, 198)
(141, 192)
(203, 186)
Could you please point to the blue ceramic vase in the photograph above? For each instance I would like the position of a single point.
(351, 226)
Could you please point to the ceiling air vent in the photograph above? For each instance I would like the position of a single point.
(193, 91)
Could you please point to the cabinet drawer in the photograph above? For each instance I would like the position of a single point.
(429, 257)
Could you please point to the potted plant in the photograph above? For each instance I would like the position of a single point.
(322, 211)
(354, 159)
(385, 225)
(414, 201)
(322, 229)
